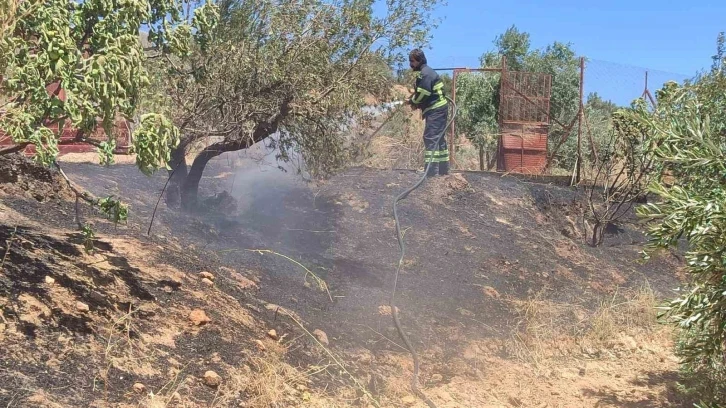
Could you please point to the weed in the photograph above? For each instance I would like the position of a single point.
(547, 329)
(704, 377)
(9, 244)
(88, 237)
(337, 361)
(168, 394)
(268, 381)
(627, 312)
(122, 351)
(319, 281)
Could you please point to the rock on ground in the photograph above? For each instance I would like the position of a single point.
(212, 379)
(322, 337)
(206, 275)
(198, 317)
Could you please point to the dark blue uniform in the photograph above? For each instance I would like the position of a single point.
(429, 97)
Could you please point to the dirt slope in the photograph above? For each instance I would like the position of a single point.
(134, 323)
(503, 302)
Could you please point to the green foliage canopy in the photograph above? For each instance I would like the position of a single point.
(291, 73)
(92, 50)
(687, 134)
(478, 94)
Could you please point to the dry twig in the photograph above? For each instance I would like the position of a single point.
(9, 243)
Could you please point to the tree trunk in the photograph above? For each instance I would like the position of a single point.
(190, 188)
(178, 174)
(481, 158)
(491, 161)
(13, 149)
(189, 191)
(597, 234)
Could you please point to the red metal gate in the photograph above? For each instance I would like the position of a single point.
(67, 141)
(524, 108)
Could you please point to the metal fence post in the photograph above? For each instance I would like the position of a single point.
(452, 139)
(581, 113)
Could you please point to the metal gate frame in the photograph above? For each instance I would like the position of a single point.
(524, 102)
(505, 83)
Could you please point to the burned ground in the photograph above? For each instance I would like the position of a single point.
(482, 249)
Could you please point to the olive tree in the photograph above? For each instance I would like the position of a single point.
(557, 59)
(477, 113)
(292, 73)
(625, 166)
(80, 65)
(690, 126)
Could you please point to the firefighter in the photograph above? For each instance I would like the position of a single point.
(428, 96)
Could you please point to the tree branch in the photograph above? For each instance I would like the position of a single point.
(79, 194)
(13, 149)
(347, 72)
(262, 131)
(92, 143)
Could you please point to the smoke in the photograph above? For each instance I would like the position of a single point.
(258, 178)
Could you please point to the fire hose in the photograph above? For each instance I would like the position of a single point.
(402, 248)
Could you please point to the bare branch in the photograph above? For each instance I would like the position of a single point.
(13, 149)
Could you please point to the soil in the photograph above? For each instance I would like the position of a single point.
(482, 252)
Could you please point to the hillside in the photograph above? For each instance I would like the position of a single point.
(505, 304)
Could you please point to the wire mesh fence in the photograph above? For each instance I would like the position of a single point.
(622, 83)
(582, 94)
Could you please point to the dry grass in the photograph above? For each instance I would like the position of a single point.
(169, 395)
(548, 330)
(401, 147)
(123, 352)
(399, 144)
(268, 381)
(632, 312)
(8, 17)
(542, 330)
(265, 381)
(467, 154)
(322, 285)
(396, 153)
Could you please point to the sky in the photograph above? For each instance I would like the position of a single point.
(622, 39)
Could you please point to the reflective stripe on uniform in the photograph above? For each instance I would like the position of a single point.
(421, 94)
(437, 156)
(438, 88)
(441, 156)
(438, 104)
(438, 159)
